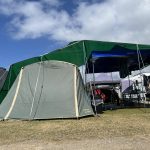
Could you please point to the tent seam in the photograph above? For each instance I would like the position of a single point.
(37, 80)
(15, 96)
(75, 94)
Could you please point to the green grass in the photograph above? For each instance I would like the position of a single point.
(116, 123)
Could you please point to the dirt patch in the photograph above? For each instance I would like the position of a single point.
(116, 143)
(119, 129)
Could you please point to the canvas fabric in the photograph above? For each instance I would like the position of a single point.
(77, 53)
(47, 91)
(3, 75)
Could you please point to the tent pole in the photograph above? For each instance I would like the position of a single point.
(129, 86)
(85, 77)
(94, 86)
(112, 101)
(85, 61)
(139, 56)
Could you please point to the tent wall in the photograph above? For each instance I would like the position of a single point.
(76, 53)
(83, 99)
(46, 90)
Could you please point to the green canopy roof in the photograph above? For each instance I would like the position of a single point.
(75, 52)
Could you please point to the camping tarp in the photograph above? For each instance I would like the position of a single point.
(119, 58)
(76, 53)
(46, 90)
(3, 75)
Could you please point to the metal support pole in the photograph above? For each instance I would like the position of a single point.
(94, 86)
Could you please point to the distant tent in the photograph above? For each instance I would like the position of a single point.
(3, 75)
(77, 53)
(46, 90)
(128, 84)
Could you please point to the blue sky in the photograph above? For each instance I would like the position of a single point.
(30, 28)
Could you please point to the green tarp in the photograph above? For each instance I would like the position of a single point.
(76, 53)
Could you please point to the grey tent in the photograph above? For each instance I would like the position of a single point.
(3, 75)
(46, 90)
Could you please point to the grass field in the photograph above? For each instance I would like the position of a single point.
(125, 126)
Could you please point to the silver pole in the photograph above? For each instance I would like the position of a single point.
(94, 86)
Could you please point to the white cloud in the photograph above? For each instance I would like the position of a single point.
(110, 20)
